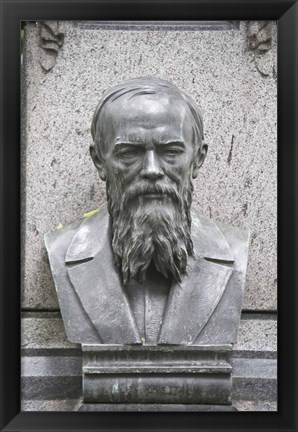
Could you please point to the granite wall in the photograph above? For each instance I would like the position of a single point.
(237, 183)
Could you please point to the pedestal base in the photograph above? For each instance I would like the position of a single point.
(155, 408)
(142, 378)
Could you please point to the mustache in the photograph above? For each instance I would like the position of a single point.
(147, 188)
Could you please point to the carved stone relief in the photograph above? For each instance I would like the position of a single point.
(51, 40)
(260, 42)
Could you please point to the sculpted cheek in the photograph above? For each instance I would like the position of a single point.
(120, 174)
(179, 172)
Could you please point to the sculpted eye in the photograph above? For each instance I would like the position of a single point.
(129, 153)
(172, 151)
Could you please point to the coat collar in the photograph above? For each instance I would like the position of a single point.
(190, 303)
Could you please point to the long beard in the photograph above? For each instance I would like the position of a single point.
(155, 231)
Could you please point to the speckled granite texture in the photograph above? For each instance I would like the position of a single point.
(236, 185)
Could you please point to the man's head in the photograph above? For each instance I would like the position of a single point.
(148, 146)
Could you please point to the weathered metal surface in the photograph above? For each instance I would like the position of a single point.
(156, 375)
(148, 270)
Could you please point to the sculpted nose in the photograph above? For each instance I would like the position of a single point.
(151, 168)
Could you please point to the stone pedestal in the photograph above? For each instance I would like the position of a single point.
(164, 378)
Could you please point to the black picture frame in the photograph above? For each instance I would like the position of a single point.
(12, 12)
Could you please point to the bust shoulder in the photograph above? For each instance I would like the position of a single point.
(58, 241)
(82, 231)
(220, 242)
(212, 239)
(238, 239)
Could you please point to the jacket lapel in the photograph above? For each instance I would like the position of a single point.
(97, 282)
(192, 302)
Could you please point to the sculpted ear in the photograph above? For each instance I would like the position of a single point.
(199, 158)
(98, 162)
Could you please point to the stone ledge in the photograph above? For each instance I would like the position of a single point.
(251, 368)
(50, 405)
(155, 408)
(263, 405)
(73, 405)
(57, 378)
(54, 377)
(52, 366)
(46, 388)
(256, 335)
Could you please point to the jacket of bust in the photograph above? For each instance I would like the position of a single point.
(203, 309)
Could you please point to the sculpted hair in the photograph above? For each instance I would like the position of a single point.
(139, 238)
(142, 86)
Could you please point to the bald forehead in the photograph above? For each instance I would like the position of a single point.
(156, 112)
(140, 104)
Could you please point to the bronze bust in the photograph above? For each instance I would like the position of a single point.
(148, 270)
